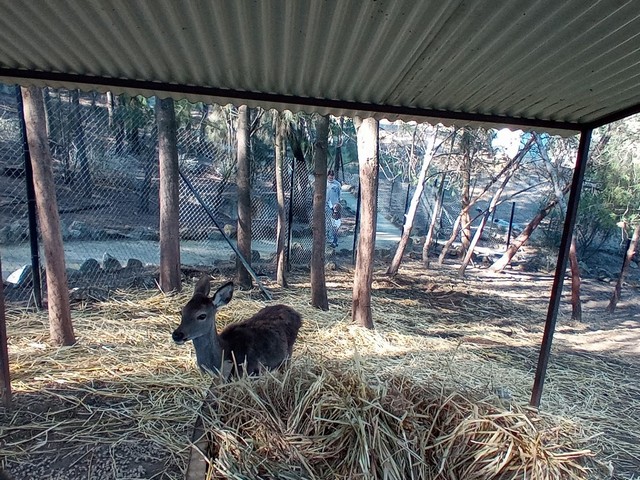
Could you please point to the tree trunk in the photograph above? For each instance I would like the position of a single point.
(47, 110)
(452, 238)
(244, 196)
(169, 197)
(281, 231)
(553, 170)
(506, 258)
(465, 204)
(82, 177)
(110, 108)
(631, 251)
(576, 304)
(411, 213)
(318, 282)
(474, 241)
(60, 325)
(435, 215)
(485, 217)
(367, 133)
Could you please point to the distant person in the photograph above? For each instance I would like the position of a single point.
(333, 208)
(334, 187)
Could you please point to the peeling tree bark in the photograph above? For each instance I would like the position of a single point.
(367, 132)
(170, 280)
(411, 213)
(437, 208)
(244, 196)
(60, 325)
(281, 275)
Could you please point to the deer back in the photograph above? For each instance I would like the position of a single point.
(266, 339)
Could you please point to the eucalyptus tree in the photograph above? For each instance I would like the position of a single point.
(549, 159)
(429, 136)
(319, 297)
(368, 143)
(243, 180)
(82, 178)
(280, 154)
(169, 196)
(474, 159)
(60, 326)
(507, 173)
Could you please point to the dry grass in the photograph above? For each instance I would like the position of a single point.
(330, 422)
(437, 391)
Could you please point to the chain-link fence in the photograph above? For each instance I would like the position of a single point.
(106, 179)
(105, 157)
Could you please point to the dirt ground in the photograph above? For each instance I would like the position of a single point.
(67, 424)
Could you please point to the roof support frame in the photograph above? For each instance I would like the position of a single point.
(614, 117)
(561, 266)
(154, 88)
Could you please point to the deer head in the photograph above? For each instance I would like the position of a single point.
(199, 314)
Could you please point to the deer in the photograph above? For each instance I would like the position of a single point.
(264, 341)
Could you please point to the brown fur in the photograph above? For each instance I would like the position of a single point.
(265, 339)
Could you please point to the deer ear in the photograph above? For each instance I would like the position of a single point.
(203, 286)
(223, 295)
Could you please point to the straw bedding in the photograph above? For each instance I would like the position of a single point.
(437, 391)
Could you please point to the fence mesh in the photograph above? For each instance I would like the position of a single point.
(104, 150)
(106, 182)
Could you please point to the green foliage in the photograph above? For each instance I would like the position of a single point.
(137, 111)
(613, 179)
(185, 111)
(595, 224)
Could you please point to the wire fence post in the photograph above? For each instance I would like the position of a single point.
(31, 206)
(513, 208)
(290, 215)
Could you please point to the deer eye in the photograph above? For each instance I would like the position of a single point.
(202, 316)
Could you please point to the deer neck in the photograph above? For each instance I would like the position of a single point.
(209, 350)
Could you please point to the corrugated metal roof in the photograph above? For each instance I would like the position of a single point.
(555, 64)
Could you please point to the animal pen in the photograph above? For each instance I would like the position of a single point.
(410, 401)
(449, 383)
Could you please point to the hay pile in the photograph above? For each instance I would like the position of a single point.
(328, 422)
(435, 392)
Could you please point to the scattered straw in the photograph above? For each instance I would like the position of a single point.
(436, 391)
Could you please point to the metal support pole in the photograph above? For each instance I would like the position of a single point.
(561, 267)
(290, 222)
(243, 260)
(356, 229)
(513, 208)
(31, 206)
